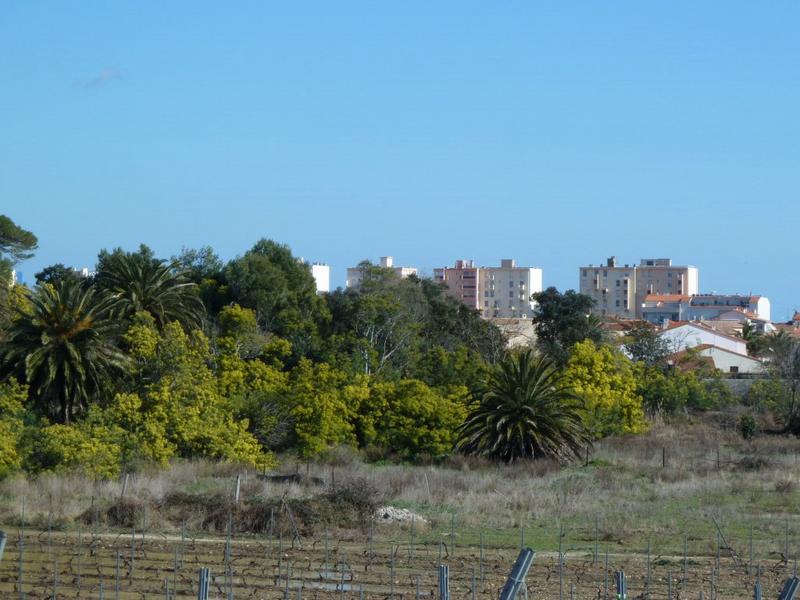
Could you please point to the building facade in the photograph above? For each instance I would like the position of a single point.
(322, 277)
(502, 292)
(355, 274)
(461, 281)
(658, 308)
(620, 290)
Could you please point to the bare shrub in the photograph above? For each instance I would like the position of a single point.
(753, 463)
(785, 486)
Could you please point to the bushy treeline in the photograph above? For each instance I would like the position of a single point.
(152, 359)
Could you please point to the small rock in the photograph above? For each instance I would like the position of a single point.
(390, 514)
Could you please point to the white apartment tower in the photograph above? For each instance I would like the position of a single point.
(506, 290)
(322, 277)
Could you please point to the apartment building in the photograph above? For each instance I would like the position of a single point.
(502, 292)
(620, 290)
(658, 308)
(461, 281)
(322, 277)
(355, 274)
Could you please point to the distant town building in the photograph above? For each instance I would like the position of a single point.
(502, 292)
(684, 335)
(322, 277)
(461, 281)
(619, 291)
(657, 308)
(506, 290)
(722, 359)
(355, 274)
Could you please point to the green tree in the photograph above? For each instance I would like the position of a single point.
(204, 268)
(785, 367)
(281, 290)
(178, 388)
(667, 392)
(399, 328)
(16, 243)
(605, 380)
(63, 348)
(139, 282)
(54, 274)
(563, 320)
(322, 404)
(643, 344)
(13, 397)
(410, 419)
(527, 411)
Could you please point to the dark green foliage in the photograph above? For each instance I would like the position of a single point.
(525, 413)
(16, 244)
(747, 426)
(138, 282)
(562, 320)
(64, 348)
(409, 328)
(56, 273)
(204, 268)
(667, 392)
(269, 280)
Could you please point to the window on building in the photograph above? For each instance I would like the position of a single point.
(617, 282)
(486, 304)
(584, 272)
(510, 284)
(734, 369)
(486, 293)
(617, 302)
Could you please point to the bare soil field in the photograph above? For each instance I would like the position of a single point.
(135, 565)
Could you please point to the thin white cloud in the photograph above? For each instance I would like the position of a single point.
(105, 76)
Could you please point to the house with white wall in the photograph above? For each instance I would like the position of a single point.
(681, 336)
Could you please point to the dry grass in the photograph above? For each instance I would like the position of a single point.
(626, 487)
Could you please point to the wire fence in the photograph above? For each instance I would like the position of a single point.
(397, 562)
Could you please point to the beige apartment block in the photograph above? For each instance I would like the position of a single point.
(620, 290)
(502, 292)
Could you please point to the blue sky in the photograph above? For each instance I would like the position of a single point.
(555, 133)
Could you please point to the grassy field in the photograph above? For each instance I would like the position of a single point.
(691, 502)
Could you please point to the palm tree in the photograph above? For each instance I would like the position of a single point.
(526, 412)
(63, 347)
(137, 283)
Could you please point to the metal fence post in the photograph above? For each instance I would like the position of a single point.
(516, 579)
(789, 591)
(621, 585)
(202, 587)
(444, 582)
